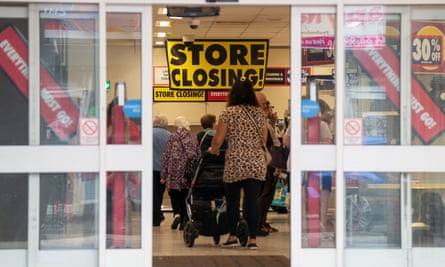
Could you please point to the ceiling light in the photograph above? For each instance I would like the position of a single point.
(161, 34)
(163, 23)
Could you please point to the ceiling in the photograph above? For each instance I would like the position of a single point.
(234, 22)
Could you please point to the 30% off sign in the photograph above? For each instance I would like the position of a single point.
(426, 48)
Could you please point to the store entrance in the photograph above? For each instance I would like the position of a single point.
(235, 30)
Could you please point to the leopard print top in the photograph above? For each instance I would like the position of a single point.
(244, 155)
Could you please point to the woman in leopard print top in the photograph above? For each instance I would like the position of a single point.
(245, 166)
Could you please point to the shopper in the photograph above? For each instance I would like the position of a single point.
(160, 138)
(268, 187)
(326, 176)
(324, 136)
(244, 124)
(181, 146)
(205, 136)
(208, 123)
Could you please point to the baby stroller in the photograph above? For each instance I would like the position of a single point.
(205, 204)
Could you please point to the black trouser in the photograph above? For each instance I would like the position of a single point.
(158, 195)
(251, 189)
(266, 195)
(178, 202)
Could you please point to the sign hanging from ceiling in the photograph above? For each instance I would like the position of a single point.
(216, 64)
(164, 94)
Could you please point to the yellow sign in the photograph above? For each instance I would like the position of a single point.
(164, 94)
(216, 64)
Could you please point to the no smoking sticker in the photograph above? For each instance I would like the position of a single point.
(353, 131)
(89, 131)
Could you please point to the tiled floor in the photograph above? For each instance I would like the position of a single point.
(168, 242)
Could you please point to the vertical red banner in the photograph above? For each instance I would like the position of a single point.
(313, 208)
(313, 189)
(118, 124)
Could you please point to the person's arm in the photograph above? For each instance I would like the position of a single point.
(286, 138)
(218, 139)
(325, 133)
(265, 133)
(165, 160)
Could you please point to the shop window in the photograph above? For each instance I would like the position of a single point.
(14, 101)
(69, 84)
(428, 209)
(14, 208)
(318, 209)
(428, 82)
(372, 76)
(318, 78)
(372, 210)
(69, 211)
(125, 78)
(123, 210)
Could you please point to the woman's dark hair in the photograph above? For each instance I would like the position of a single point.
(325, 110)
(324, 107)
(207, 121)
(242, 93)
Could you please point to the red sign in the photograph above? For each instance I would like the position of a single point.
(384, 67)
(427, 43)
(426, 117)
(56, 106)
(277, 77)
(217, 95)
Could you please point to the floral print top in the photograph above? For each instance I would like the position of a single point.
(181, 145)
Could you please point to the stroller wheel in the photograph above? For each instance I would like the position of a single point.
(216, 239)
(188, 234)
(242, 232)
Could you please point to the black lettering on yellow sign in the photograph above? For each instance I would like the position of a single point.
(164, 94)
(216, 64)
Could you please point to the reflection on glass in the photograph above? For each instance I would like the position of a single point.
(428, 83)
(14, 87)
(124, 98)
(14, 210)
(318, 209)
(123, 210)
(318, 91)
(428, 217)
(372, 76)
(372, 210)
(69, 211)
(68, 74)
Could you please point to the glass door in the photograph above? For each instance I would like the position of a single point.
(372, 107)
(13, 186)
(128, 101)
(313, 109)
(64, 120)
(78, 190)
(427, 189)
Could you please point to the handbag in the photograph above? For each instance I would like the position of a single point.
(267, 155)
(190, 168)
(279, 156)
(191, 165)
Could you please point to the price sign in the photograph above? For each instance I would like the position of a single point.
(427, 50)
